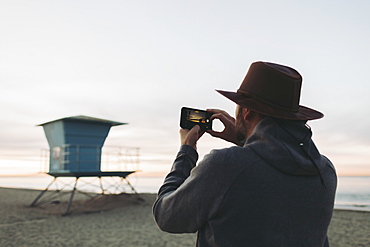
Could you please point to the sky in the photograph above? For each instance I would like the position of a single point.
(141, 61)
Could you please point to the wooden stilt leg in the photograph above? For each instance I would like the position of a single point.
(42, 193)
(71, 198)
(132, 187)
(101, 186)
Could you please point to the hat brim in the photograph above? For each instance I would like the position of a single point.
(303, 113)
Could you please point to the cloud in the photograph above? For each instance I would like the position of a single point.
(141, 61)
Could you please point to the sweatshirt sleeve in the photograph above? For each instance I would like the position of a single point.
(170, 209)
(191, 195)
(185, 161)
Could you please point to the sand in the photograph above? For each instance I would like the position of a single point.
(349, 228)
(121, 220)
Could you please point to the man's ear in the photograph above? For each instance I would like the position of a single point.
(247, 113)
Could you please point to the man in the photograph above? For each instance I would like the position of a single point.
(273, 189)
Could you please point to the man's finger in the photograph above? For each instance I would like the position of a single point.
(214, 133)
(218, 116)
(215, 110)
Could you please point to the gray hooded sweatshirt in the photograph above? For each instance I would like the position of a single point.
(276, 190)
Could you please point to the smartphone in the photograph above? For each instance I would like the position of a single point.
(191, 117)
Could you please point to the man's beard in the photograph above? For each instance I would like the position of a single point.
(240, 127)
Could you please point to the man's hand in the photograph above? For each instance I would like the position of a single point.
(190, 137)
(229, 132)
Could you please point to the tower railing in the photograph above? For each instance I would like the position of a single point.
(73, 157)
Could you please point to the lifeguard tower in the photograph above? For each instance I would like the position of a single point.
(76, 151)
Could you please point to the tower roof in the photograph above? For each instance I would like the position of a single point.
(86, 119)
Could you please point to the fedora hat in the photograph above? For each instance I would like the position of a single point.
(273, 90)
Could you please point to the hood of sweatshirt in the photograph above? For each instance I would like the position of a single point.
(287, 146)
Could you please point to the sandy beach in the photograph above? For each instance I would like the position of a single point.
(121, 220)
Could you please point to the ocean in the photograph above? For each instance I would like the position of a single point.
(352, 192)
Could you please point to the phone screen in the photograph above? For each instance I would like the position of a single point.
(191, 117)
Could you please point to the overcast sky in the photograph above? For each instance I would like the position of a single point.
(141, 61)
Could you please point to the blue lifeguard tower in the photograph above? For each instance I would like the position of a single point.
(76, 151)
(76, 143)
